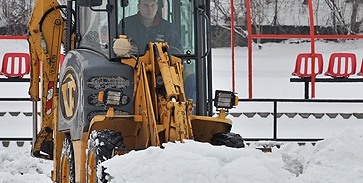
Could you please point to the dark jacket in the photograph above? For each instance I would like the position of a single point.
(161, 31)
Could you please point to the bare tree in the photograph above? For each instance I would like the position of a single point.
(221, 17)
(344, 17)
(354, 24)
(15, 15)
(338, 18)
(258, 15)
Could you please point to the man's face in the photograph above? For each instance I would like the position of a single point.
(148, 9)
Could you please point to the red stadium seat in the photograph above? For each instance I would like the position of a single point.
(15, 65)
(341, 65)
(303, 64)
(360, 73)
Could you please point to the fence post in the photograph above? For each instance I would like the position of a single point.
(275, 121)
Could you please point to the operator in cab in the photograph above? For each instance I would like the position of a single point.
(148, 26)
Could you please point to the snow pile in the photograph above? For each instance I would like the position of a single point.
(17, 165)
(195, 162)
(337, 159)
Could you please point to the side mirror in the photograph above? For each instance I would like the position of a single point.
(89, 3)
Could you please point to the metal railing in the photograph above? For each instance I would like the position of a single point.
(5, 140)
(276, 116)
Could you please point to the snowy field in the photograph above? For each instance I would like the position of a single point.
(336, 159)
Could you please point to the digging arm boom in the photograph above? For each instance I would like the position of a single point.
(45, 37)
(162, 95)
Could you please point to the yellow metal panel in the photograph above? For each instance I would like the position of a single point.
(58, 141)
(80, 155)
(204, 127)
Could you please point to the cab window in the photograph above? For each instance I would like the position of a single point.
(174, 24)
(94, 28)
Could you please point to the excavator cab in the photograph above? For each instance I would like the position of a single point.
(102, 22)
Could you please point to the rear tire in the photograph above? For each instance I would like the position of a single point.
(67, 170)
(228, 139)
(100, 148)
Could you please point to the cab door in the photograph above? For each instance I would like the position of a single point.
(191, 18)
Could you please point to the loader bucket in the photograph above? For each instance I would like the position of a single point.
(204, 127)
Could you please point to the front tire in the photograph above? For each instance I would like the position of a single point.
(100, 148)
(228, 139)
(67, 169)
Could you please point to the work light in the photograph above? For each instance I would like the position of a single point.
(225, 99)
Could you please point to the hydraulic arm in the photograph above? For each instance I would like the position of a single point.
(165, 98)
(45, 36)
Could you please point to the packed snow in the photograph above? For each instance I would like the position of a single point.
(338, 158)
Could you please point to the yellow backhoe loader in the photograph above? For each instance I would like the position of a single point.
(106, 97)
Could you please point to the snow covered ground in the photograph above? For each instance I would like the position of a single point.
(336, 159)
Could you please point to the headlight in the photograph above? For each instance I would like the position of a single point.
(111, 97)
(225, 99)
